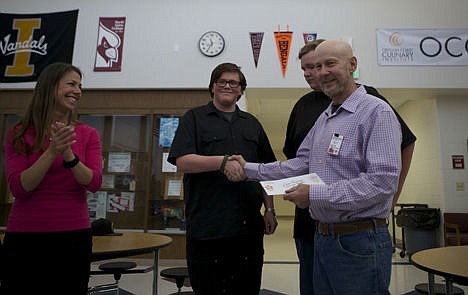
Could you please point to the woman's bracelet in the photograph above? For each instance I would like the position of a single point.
(72, 163)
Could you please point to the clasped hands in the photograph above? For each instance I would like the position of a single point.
(62, 137)
(234, 171)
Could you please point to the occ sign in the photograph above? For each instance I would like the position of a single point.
(453, 46)
(426, 47)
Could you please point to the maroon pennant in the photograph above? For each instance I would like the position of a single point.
(256, 43)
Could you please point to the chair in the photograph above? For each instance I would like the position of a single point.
(179, 274)
(116, 268)
(455, 229)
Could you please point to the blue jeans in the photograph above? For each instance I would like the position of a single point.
(356, 263)
(305, 252)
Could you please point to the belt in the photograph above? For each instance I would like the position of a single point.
(327, 229)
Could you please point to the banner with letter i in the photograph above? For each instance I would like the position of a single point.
(29, 42)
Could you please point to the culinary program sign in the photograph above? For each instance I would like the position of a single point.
(427, 47)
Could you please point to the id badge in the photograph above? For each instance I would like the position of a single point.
(335, 144)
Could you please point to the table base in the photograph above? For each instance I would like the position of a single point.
(439, 289)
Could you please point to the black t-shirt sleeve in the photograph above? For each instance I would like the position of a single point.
(184, 138)
(290, 147)
(408, 136)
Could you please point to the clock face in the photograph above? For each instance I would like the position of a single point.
(211, 43)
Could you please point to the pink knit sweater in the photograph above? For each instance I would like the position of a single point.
(59, 202)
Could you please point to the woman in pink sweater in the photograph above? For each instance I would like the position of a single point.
(51, 161)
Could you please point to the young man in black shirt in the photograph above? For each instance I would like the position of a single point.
(224, 225)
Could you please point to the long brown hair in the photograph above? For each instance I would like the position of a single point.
(38, 113)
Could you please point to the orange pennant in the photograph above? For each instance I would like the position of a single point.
(283, 44)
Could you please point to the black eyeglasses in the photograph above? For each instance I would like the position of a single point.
(232, 83)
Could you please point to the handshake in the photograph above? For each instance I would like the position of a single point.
(233, 168)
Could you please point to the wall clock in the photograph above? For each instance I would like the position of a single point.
(211, 44)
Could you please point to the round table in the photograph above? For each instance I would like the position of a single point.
(448, 262)
(129, 244)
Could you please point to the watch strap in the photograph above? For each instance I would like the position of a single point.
(72, 163)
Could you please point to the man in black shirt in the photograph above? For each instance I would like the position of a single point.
(303, 116)
(224, 225)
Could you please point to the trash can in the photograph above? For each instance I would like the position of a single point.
(420, 226)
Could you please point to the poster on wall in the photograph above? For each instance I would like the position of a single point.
(458, 162)
(109, 46)
(167, 129)
(123, 202)
(97, 204)
(119, 162)
(29, 42)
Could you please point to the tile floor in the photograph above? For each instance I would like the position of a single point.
(280, 271)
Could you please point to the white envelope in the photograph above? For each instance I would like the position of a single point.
(279, 187)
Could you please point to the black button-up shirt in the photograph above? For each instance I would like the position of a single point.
(216, 207)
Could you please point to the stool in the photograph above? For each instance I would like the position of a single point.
(179, 274)
(116, 268)
(439, 289)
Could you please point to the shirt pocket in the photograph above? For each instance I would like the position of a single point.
(214, 143)
(249, 147)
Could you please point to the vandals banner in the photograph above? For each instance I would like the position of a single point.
(109, 44)
(422, 47)
(29, 42)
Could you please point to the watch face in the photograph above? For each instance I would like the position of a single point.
(211, 43)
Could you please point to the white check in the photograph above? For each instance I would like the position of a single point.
(279, 187)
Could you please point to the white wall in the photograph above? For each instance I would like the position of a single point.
(441, 126)
(424, 181)
(155, 27)
(453, 122)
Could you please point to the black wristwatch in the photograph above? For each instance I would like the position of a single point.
(71, 163)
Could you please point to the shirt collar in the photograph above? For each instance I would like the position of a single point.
(351, 103)
(211, 109)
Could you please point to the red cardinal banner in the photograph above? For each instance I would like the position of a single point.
(109, 44)
(283, 45)
(256, 43)
(29, 42)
